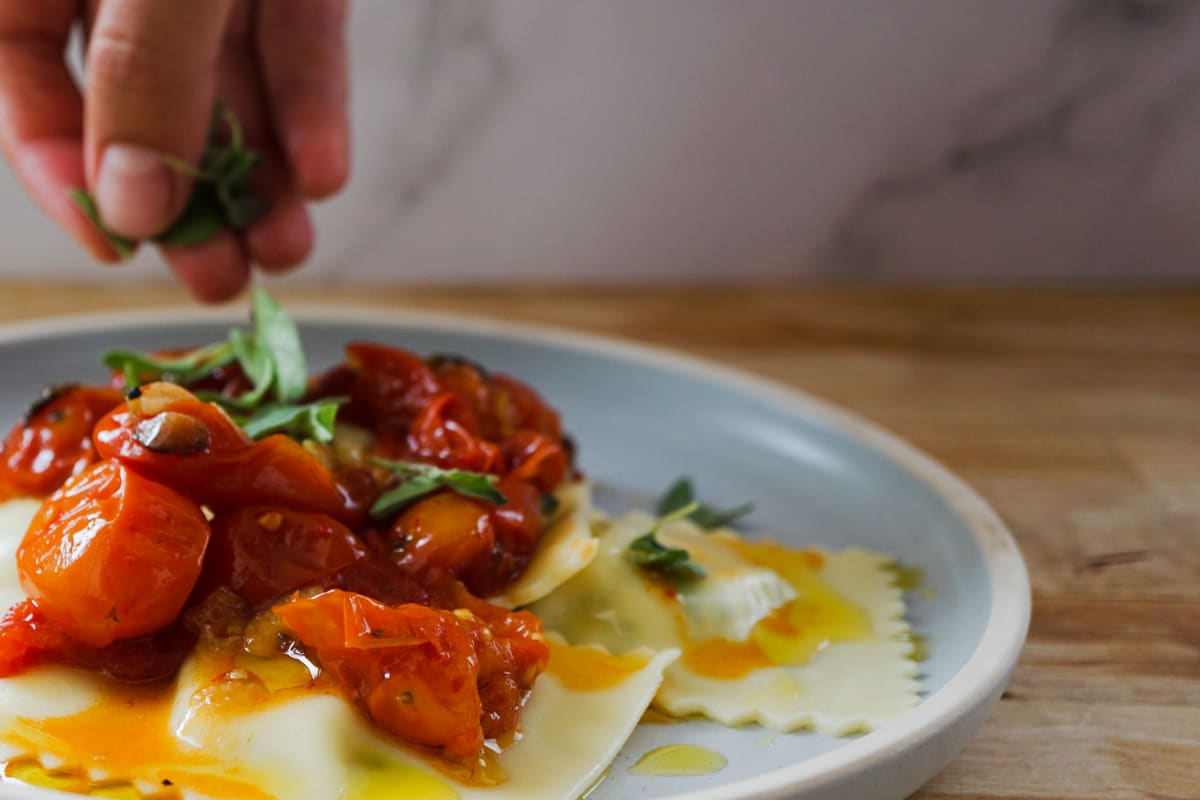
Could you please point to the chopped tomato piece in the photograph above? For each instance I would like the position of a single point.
(53, 441)
(112, 555)
(419, 671)
(262, 552)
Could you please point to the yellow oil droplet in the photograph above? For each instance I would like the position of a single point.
(679, 760)
(385, 781)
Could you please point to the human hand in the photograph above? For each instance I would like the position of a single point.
(153, 71)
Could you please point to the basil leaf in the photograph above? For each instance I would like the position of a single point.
(308, 421)
(200, 221)
(256, 364)
(679, 495)
(550, 506)
(682, 493)
(673, 562)
(222, 196)
(277, 335)
(419, 480)
(87, 205)
(647, 552)
(409, 491)
(192, 366)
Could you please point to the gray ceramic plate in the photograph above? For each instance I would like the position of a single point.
(642, 417)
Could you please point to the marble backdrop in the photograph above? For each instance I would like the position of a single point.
(717, 140)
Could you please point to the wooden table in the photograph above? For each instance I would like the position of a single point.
(1077, 415)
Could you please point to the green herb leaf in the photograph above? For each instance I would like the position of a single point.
(307, 421)
(256, 362)
(222, 196)
(278, 337)
(181, 369)
(200, 221)
(648, 553)
(87, 205)
(672, 562)
(682, 493)
(419, 480)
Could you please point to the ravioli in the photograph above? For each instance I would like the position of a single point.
(788, 638)
(204, 739)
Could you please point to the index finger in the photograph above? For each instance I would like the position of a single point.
(41, 113)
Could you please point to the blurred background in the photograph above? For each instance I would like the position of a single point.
(628, 141)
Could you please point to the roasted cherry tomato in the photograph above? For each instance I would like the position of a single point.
(27, 639)
(516, 407)
(112, 555)
(411, 667)
(445, 530)
(535, 458)
(517, 525)
(53, 441)
(387, 386)
(417, 670)
(445, 433)
(263, 552)
(194, 447)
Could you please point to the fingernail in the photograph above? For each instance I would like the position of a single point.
(133, 190)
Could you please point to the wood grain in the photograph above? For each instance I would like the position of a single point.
(1076, 414)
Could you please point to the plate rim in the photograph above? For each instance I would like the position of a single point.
(986, 670)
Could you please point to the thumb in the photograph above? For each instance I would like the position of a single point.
(149, 83)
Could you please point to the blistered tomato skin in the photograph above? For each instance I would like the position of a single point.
(112, 555)
(54, 441)
(263, 552)
(231, 470)
(419, 671)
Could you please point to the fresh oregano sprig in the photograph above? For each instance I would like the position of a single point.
(420, 480)
(271, 357)
(222, 197)
(302, 421)
(682, 493)
(671, 562)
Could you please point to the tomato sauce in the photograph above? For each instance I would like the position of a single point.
(164, 522)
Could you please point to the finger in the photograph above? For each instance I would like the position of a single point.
(303, 54)
(149, 92)
(283, 237)
(41, 113)
(215, 271)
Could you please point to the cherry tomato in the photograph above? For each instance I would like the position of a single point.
(262, 552)
(206, 456)
(413, 669)
(517, 525)
(446, 530)
(533, 457)
(54, 441)
(517, 407)
(387, 386)
(27, 639)
(112, 555)
(445, 434)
